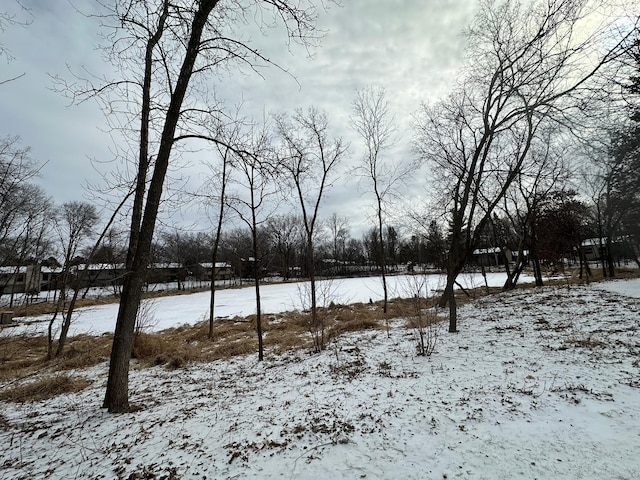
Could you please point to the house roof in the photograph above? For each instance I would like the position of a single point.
(218, 265)
(484, 251)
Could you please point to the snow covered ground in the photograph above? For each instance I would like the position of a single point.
(166, 312)
(540, 383)
(630, 288)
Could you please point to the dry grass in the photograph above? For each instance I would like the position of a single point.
(44, 389)
(160, 349)
(84, 351)
(24, 355)
(354, 318)
(20, 353)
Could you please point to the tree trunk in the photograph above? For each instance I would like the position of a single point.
(117, 395)
(256, 274)
(212, 295)
(537, 271)
(483, 270)
(315, 318)
(453, 308)
(50, 335)
(62, 300)
(514, 275)
(448, 298)
(383, 262)
(601, 247)
(66, 323)
(214, 252)
(258, 315)
(507, 267)
(455, 264)
(533, 255)
(610, 264)
(117, 392)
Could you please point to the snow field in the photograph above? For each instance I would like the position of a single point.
(540, 383)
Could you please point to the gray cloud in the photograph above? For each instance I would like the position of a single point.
(412, 48)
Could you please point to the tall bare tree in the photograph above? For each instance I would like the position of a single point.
(339, 230)
(530, 64)
(307, 161)
(17, 170)
(25, 210)
(255, 203)
(217, 182)
(373, 121)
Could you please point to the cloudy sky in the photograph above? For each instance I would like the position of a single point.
(412, 48)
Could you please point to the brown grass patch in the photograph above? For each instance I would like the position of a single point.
(232, 347)
(280, 341)
(85, 351)
(44, 389)
(354, 318)
(24, 355)
(21, 356)
(171, 348)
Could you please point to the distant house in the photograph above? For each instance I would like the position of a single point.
(36, 278)
(593, 248)
(490, 257)
(166, 272)
(223, 270)
(20, 279)
(101, 275)
(98, 274)
(49, 277)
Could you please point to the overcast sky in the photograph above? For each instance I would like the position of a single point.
(412, 48)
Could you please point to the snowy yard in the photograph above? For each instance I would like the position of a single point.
(538, 383)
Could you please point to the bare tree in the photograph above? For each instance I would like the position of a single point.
(255, 203)
(620, 172)
(422, 317)
(339, 230)
(25, 211)
(531, 64)
(217, 181)
(547, 171)
(308, 160)
(374, 122)
(26, 240)
(607, 176)
(17, 170)
(285, 233)
(74, 224)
